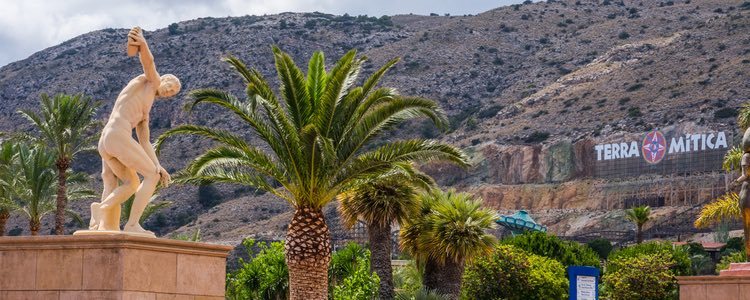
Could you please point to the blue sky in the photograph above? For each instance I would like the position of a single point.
(32, 25)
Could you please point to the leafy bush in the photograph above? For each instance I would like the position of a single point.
(489, 112)
(208, 196)
(407, 280)
(566, 252)
(547, 278)
(537, 137)
(726, 112)
(265, 276)
(678, 254)
(349, 274)
(602, 247)
(733, 245)
(734, 257)
(645, 276)
(361, 284)
(421, 294)
(511, 273)
(702, 265)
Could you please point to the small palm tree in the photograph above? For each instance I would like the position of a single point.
(639, 216)
(35, 185)
(448, 230)
(379, 203)
(66, 124)
(316, 134)
(7, 178)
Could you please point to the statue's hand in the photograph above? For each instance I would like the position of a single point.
(164, 177)
(135, 37)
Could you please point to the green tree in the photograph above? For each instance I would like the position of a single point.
(7, 181)
(566, 252)
(35, 185)
(445, 233)
(66, 124)
(379, 203)
(317, 131)
(512, 273)
(646, 276)
(639, 216)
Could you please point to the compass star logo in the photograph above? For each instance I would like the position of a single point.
(654, 147)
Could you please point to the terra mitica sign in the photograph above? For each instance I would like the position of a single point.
(669, 151)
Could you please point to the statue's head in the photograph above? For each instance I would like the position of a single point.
(169, 86)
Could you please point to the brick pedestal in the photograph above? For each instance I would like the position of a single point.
(117, 267)
(732, 284)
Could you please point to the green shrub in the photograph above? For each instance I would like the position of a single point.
(407, 280)
(734, 257)
(511, 273)
(264, 276)
(547, 278)
(602, 247)
(694, 248)
(361, 284)
(701, 265)
(726, 112)
(537, 137)
(678, 254)
(733, 245)
(645, 277)
(421, 294)
(345, 262)
(566, 252)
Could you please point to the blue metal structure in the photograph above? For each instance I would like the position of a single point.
(520, 222)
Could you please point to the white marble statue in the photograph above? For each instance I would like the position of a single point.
(124, 158)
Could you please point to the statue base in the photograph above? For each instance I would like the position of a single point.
(110, 266)
(731, 284)
(114, 232)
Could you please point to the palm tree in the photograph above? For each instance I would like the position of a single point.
(6, 183)
(381, 202)
(447, 231)
(316, 133)
(35, 185)
(639, 216)
(66, 124)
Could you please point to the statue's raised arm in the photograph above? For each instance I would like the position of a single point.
(124, 158)
(136, 40)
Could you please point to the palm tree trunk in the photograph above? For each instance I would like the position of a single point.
(308, 252)
(34, 227)
(62, 198)
(444, 278)
(380, 260)
(4, 215)
(639, 234)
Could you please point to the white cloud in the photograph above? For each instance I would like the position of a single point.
(32, 25)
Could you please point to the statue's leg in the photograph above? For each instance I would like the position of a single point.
(132, 156)
(109, 209)
(110, 183)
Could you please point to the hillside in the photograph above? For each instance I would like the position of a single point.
(516, 79)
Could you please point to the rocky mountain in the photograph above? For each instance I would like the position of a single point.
(530, 89)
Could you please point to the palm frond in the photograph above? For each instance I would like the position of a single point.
(743, 118)
(724, 208)
(732, 159)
